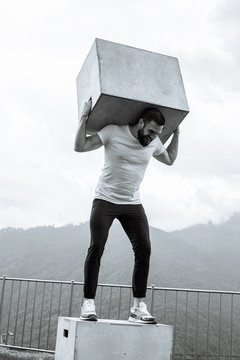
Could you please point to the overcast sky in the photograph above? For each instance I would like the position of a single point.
(43, 46)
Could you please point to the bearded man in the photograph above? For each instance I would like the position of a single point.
(128, 150)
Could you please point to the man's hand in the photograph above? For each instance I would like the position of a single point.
(87, 108)
(170, 154)
(177, 131)
(82, 141)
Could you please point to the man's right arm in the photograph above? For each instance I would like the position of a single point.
(82, 141)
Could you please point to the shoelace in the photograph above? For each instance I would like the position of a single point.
(89, 306)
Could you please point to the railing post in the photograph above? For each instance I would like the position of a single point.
(1, 307)
(70, 299)
(152, 297)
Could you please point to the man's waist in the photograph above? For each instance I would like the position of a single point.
(117, 195)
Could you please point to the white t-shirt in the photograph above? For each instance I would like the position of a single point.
(125, 163)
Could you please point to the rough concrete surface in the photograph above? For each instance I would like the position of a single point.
(12, 354)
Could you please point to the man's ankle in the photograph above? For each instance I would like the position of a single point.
(136, 301)
(86, 299)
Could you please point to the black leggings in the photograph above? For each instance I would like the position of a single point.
(134, 221)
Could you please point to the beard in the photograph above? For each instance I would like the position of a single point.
(143, 139)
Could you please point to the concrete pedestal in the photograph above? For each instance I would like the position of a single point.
(124, 80)
(112, 339)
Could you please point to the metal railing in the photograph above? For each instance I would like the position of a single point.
(206, 322)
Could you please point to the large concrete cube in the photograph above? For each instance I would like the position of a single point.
(124, 80)
(112, 339)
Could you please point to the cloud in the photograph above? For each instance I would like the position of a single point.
(174, 201)
(43, 47)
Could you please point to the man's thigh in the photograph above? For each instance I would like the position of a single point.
(102, 216)
(134, 222)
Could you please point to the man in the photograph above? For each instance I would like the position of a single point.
(128, 150)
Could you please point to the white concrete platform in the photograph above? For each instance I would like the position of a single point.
(123, 80)
(112, 339)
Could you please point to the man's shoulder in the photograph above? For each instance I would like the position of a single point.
(159, 147)
(116, 126)
(113, 128)
(157, 141)
(109, 127)
(107, 132)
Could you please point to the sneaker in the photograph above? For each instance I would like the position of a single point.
(141, 315)
(88, 311)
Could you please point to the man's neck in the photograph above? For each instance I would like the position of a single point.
(133, 130)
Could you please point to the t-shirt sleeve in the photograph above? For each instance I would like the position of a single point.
(106, 133)
(159, 147)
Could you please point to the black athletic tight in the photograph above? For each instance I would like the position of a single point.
(135, 224)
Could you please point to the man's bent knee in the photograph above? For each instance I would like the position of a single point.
(95, 251)
(142, 253)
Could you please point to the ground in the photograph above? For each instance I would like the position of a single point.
(10, 354)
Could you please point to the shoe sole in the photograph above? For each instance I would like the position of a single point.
(89, 318)
(134, 320)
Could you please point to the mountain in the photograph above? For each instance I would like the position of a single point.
(201, 256)
(221, 245)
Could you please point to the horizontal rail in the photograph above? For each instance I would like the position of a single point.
(124, 286)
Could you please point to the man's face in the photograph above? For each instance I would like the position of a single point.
(149, 132)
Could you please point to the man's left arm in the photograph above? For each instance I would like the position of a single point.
(170, 154)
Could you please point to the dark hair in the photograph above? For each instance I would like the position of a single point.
(152, 114)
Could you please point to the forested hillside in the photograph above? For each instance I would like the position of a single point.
(202, 256)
